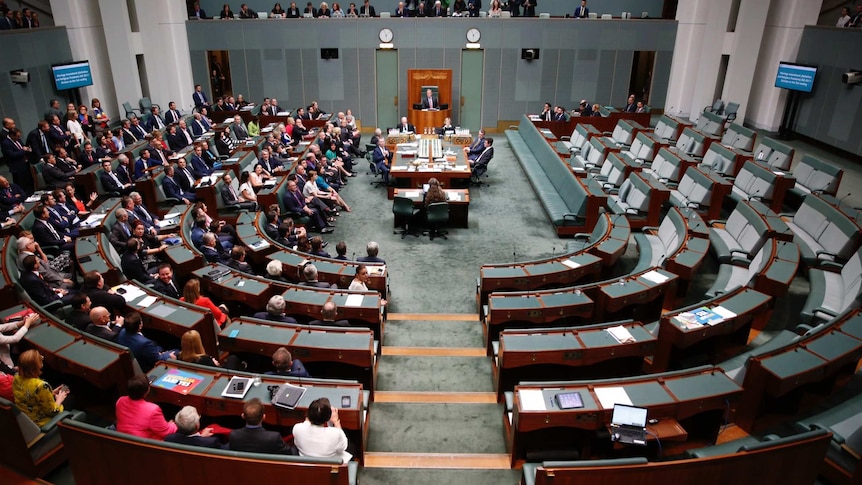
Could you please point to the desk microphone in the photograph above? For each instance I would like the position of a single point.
(514, 258)
(754, 195)
(553, 251)
(841, 200)
(353, 257)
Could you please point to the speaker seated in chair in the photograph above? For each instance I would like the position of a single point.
(402, 208)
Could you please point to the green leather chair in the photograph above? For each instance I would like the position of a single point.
(436, 215)
(403, 207)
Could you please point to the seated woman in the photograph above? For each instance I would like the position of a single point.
(447, 126)
(496, 9)
(257, 177)
(277, 12)
(435, 193)
(33, 396)
(192, 350)
(137, 417)
(246, 191)
(82, 208)
(316, 186)
(132, 265)
(336, 11)
(192, 294)
(17, 329)
(320, 435)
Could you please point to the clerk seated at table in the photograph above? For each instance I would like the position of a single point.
(435, 193)
(328, 316)
(447, 127)
(275, 309)
(405, 127)
(286, 365)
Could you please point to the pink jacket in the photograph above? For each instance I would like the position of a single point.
(142, 418)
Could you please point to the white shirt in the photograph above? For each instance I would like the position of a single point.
(842, 20)
(320, 442)
(357, 285)
(76, 130)
(309, 189)
(6, 340)
(246, 193)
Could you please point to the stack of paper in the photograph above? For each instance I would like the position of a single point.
(532, 400)
(621, 334)
(569, 263)
(654, 276)
(353, 300)
(608, 396)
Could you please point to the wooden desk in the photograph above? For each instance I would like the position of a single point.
(561, 271)
(236, 286)
(425, 118)
(334, 352)
(458, 199)
(569, 353)
(678, 343)
(407, 176)
(698, 399)
(207, 399)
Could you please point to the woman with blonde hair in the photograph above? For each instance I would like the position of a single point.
(33, 396)
(435, 193)
(192, 350)
(192, 294)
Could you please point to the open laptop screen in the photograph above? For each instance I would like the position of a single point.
(629, 416)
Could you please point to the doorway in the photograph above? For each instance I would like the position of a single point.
(472, 71)
(387, 76)
(218, 71)
(643, 64)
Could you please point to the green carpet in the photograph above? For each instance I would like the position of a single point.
(433, 333)
(437, 428)
(447, 374)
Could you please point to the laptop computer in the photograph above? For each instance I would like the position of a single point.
(628, 425)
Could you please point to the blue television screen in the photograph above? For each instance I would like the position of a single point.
(795, 77)
(73, 75)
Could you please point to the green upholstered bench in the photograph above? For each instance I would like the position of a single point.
(531, 469)
(815, 176)
(825, 234)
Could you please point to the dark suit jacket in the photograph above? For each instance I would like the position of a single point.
(145, 350)
(172, 116)
(116, 304)
(78, 319)
(177, 141)
(434, 101)
(293, 203)
(410, 127)
(581, 12)
(212, 255)
(371, 259)
(370, 12)
(14, 196)
(485, 157)
(174, 190)
(166, 289)
(108, 182)
(134, 268)
(103, 332)
(13, 155)
(435, 13)
(293, 13)
(119, 237)
(377, 156)
(54, 177)
(37, 289)
(44, 236)
(34, 141)
(182, 178)
(318, 284)
(274, 318)
(151, 123)
(257, 440)
(630, 108)
(204, 442)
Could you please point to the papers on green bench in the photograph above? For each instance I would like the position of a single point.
(608, 396)
(621, 334)
(704, 316)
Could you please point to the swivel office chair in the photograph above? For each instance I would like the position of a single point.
(402, 207)
(479, 170)
(369, 155)
(436, 215)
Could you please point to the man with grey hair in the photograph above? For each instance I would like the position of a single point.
(309, 271)
(275, 311)
(327, 316)
(55, 277)
(372, 249)
(120, 231)
(188, 423)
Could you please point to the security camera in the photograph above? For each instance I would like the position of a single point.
(852, 77)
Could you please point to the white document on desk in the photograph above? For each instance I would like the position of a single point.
(411, 194)
(608, 396)
(569, 263)
(654, 276)
(454, 196)
(353, 301)
(532, 400)
(147, 301)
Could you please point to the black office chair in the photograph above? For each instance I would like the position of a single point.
(369, 155)
(479, 170)
(436, 215)
(403, 207)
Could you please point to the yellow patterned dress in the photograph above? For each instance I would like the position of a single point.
(35, 398)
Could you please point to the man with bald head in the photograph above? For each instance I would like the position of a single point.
(102, 326)
(328, 316)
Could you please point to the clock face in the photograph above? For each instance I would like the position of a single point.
(386, 35)
(473, 35)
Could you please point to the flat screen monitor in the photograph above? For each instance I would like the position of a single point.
(795, 77)
(72, 75)
(629, 416)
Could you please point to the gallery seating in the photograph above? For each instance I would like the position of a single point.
(738, 137)
(773, 154)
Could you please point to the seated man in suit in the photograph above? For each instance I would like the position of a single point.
(382, 158)
(341, 251)
(208, 248)
(173, 189)
(121, 231)
(101, 325)
(199, 125)
(35, 286)
(132, 265)
(438, 10)
(230, 197)
(11, 195)
(144, 163)
(367, 9)
(582, 11)
(111, 181)
(199, 166)
(295, 202)
(165, 283)
(60, 277)
(94, 287)
(54, 176)
(476, 147)
(146, 352)
(253, 438)
(328, 316)
(309, 272)
(286, 365)
(317, 247)
(631, 105)
(405, 127)
(430, 101)
(155, 121)
(485, 156)
(46, 234)
(372, 249)
(172, 115)
(238, 130)
(275, 311)
(189, 430)
(237, 260)
(184, 176)
(79, 317)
